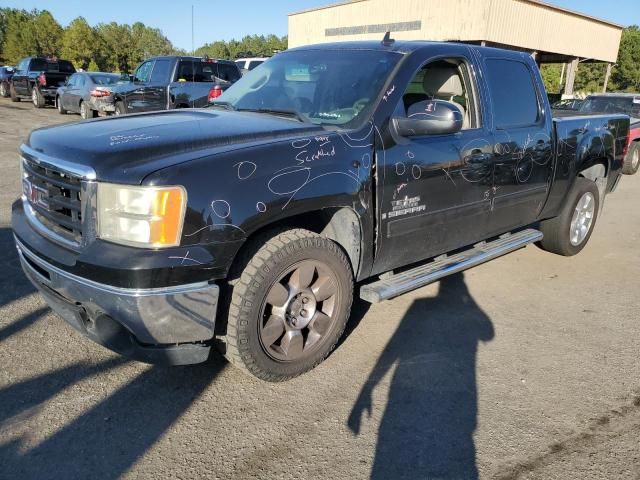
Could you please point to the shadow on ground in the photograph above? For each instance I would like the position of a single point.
(108, 438)
(431, 413)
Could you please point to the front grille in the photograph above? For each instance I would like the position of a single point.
(55, 198)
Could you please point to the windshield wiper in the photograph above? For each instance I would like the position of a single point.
(225, 105)
(274, 111)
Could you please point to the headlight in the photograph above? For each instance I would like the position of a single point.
(141, 216)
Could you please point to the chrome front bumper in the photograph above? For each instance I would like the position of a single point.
(158, 325)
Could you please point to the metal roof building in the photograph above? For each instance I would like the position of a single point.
(550, 33)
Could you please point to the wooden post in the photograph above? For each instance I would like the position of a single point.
(571, 77)
(606, 78)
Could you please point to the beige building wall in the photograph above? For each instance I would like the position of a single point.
(527, 24)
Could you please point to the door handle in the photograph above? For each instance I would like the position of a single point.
(478, 157)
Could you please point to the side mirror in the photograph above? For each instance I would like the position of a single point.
(429, 117)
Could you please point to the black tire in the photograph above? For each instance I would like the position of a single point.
(269, 264)
(61, 110)
(36, 98)
(13, 94)
(120, 108)
(632, 159)
(558, 235)
(3, 90)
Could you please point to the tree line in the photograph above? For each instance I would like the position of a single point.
(625, 74)
(107, 46)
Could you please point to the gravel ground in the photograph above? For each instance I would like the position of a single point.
(523, 368)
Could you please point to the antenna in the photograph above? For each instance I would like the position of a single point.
(387, 41)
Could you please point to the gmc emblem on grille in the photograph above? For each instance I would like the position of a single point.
(36, 195)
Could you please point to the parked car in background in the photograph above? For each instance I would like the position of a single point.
(248, 64)
(627, 104)
(567, 104)
(165, 83)
(253, 219)
(86, 93)
(5, 79)
(38, 78)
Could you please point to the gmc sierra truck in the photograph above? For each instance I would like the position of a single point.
(251, 224)
(165, 83)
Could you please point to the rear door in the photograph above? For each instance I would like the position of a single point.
(521, 129)
(155, 92)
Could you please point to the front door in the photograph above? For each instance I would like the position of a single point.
(434, 191)
(155, 92)
(141, 77)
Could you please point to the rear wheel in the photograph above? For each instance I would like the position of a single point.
(290, 306)
(14, 95)
(36, 98)
(632, 159)
(568, 233)
(85, 111)
(61, 110)
(120, 109)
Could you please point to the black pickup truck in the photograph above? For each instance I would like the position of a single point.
(250, 223)
(165, 83)
(38, 78)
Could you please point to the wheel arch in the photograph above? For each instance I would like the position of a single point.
(340, 224)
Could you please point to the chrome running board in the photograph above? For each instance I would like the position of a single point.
(431, 272)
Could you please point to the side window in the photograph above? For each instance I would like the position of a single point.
(72, 81)
(161, 71)
(80, 81)
(24, 65)
(513, 93)
(443, 80)
(253, 64)
(143, 73)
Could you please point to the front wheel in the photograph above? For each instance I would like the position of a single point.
(61, 110)
(3, 90)
(568, 233)
(13, 94)
(37, 98)
(632, 159)
(290, 306)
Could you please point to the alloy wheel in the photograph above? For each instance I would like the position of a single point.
(582, 219)
(299, 310)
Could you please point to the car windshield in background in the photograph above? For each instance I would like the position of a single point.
(105, 79)
(335, 87)
(203, 71)
(625, 105)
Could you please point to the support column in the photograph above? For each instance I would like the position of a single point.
(571, 77)
(606, 78)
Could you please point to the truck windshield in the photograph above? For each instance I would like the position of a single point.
(329, 87)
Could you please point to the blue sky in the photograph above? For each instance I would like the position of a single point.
(224, 20)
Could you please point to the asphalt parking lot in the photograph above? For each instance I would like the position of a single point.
(524, 368)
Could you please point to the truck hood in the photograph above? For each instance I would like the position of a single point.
(126, 149)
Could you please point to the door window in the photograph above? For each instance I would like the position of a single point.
(143, 73)
(442, 80)
(161, 71)
(513, 94)
(72, 81)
